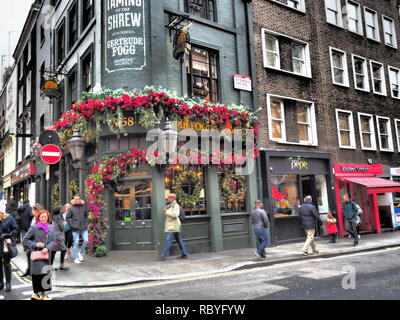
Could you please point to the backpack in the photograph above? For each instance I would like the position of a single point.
(360, 212)
(181, 213)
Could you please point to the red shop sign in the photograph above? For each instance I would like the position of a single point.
(358, 169)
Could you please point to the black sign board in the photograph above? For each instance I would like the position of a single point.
(49, 137)
(125, 47)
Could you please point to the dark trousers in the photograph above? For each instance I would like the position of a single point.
(351, 227)
(333, 235)
(40, 284)
(28, 258)
(69, 240)
(5, 268)
(62, 258)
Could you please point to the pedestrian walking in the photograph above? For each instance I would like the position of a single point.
(173, 227)
(350, 211)
(40, 237)
(77, 218)
(58, 223)
(308, 216)
(259, 220)
(26, 216)
(12, 210)
(67, 232)
(331, 227)
(8, 230)
(35, 210)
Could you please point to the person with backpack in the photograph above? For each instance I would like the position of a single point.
(350, 212)
(173, 225)
(259, 220)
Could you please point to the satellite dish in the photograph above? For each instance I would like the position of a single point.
(49, 137)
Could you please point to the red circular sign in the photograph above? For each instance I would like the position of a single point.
(51, 154)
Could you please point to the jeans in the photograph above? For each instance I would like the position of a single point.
(261, 240)
(310, 241)
(75, 235)
(170, 238)
(351, 227)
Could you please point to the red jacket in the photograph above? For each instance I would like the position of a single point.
(331, 227)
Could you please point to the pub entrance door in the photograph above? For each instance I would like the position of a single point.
(132, 225)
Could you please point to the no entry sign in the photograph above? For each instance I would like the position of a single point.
(51, 154)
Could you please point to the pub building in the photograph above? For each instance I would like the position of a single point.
(288, 178)
(365, 185)
(135, 204)
(22, 181)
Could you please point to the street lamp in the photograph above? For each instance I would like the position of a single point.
(168, 141)
(76, 146)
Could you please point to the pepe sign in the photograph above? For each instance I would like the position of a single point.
(125, 35)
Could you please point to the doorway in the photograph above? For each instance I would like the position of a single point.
(132, 226)
(309, 189)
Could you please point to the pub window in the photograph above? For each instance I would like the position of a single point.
(202, 8)
(73, 25)
(72, 88)
(88, 13)
(60, 44)
(59, 104)
(226, 205)
(187, 186)
(202, 73)
(87, 73)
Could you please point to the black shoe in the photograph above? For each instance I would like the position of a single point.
(355, 244)
(8, 287)
(27, 273)
(183, 257)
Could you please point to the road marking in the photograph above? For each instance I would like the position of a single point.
(20, 286)
(1, 297)
(230, 273)
(317, 274)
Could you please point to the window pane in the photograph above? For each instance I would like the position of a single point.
(331, 17)
(345, 138)
(365, 124)
(272, 60)
(339, 75)
(337, 59)
(344, 121)
(303, 132)
(276, 129)
(367, 140)
(385, 142)
(383, 126)
(276, 111)
(298, 66)
(271, 43)
(302, 115)
(358, 65)
(285, 195)
(322, 194)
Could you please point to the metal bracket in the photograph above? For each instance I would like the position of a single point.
(176, 22)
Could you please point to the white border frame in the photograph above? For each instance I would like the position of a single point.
(390, 81)
(353, 144)
(307, 57)
(391, 147)
(313, 134)
(372, 128)
(345, 65)
(360, 19)
(302, 5)
(394, 32)
(384, 88)
(365, 67)
(397, 133)
(376, 22)
(340, 14)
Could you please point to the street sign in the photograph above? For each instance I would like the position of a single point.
(51, 154)
(49, 137)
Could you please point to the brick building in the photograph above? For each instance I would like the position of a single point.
(328, 83)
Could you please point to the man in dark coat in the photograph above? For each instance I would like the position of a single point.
(77, 217)
(350, 211)
(12, 210)
(26, 216)
(308, 215)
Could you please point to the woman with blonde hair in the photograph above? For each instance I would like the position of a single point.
(8, 230)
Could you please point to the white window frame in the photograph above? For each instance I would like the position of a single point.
(345, 66)
(372, 129)
(393, 31)
(307, 57)
(339, 14)
(376, 24)
(359, 17)
(384, 88)
(365, 67)
(390, 135)
(352, 132)
(397, 134)
(313, 135)
(28, 88)
(302, 7)
(390, 81)
(265, 51)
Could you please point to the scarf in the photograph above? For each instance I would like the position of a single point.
(45, 227)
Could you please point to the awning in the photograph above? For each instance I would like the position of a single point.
(374, 184)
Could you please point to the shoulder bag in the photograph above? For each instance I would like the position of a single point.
(12, 249)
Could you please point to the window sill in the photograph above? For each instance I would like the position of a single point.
(303, 11)
(357, 33)
(387, 150)
(347, 148)
(391, 46)
(374, 40)
(380, 94)
(341, 85)
(368, 149)
(363, 90)
(335, 25)
(289, 72)
(295, 143)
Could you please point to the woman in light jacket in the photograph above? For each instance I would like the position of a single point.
(41, 237)
(8, 230)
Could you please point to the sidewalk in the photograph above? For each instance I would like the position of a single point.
(119, 268)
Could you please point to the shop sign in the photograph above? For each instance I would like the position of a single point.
(125, 47)
(198, 126)
(242, 82)
(22, 173)
(397, 217)
(298, 163)
(138, 174)
(374, 169)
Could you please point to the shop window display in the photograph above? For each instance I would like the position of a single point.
(285, 195)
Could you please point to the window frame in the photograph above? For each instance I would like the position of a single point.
(339, 14)
(366, 73)
(353, 144)
(390, 134)
(345, 65)
(313, 134)
(87, 22)
(277, 35)
(186, 6)
(397, 133)
(376, 21)
(61, 27)
(359, 21)
(88, 53)
(372, 131)
(390, 81)
(393, 30)
(301, 5)
(384, 88)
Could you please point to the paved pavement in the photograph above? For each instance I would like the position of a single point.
(122, 268)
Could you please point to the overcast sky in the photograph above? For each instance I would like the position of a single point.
(13, 14)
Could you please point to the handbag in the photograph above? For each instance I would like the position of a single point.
(67, 227)
(39, 255)
(12, 249)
